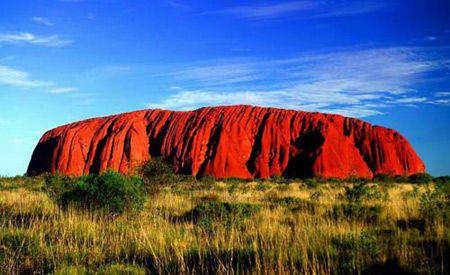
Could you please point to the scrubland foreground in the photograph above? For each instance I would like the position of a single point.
(169, 224)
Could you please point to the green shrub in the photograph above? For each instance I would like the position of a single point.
(208, 198)
(280, 180)
(294, 204)
(20, 252)
(283, 187)
(434, 204)
(158, 171)
(316, 194)
(110, 192)
(311, 182)
(357, 180)
(420, 178)
(356, 193)
(352, 252)
(156, 167)
(215, 211)
(369, 214)
(121, 269)
(67, 269)
(401, 179)
(262, 186)
(233, 187)
(442, 180)
(208, 180)
(384, 178)
(443, 186)
(232, 180)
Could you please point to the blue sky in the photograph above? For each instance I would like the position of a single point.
(387, 62)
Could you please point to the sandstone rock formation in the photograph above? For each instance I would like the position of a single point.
(230, 141)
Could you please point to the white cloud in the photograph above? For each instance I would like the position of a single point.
(178, 5)
(391, 70)
(442, 98)
(357, 83)
(442, 94)
(219, 73)
(17, 141)
(19, 78)
(346, 8)
(189, 100)
(431, 38)
(25, 37)
(267, 11)
(411, 100)
(62, 90)
(305, 8)
(42, 20)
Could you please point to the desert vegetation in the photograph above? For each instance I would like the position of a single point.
(157, 222)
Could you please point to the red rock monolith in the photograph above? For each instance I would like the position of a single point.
(229, 141)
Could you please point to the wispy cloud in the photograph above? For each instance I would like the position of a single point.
(346, 8)
(305, 8)
(19, 78)
(62, 90)
(442, 94)
(442, 98)
(42, 20)
(17, 141)
(22, 79)
(25, 37)
(267, 11)
(356, 82)
(220, 72)
(179, 5)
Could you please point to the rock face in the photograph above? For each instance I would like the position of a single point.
(231, 141)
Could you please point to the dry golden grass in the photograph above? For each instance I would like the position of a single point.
(36, 237)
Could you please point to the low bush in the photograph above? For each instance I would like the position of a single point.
(216, 211)
(311, 182)
(158, 171)
(211, 197)
(280, 180)
(401, 179)
(20, 251)
(232, 188)
(383, 178)
(420, 178)
(443, 180)
(208, 180)
(262, 186)
(109, 192)
(120, 269)
(353, 252)
(316, 194)
(355, 193)
(365, 213)
(435, 205)
(295, 204)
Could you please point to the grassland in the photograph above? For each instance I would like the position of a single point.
(231, 227)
